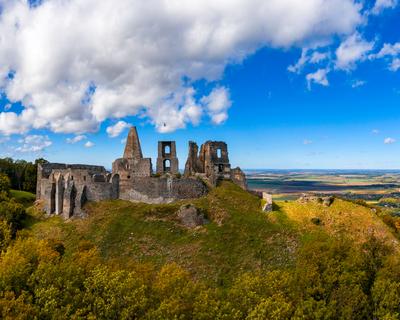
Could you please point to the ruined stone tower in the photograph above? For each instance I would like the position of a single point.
(167, 162)
(214, 154)
(133, 149)
(212, 163)
(132, 164)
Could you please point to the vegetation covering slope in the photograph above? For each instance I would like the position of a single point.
(129, 261)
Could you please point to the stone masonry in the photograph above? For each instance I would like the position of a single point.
(64, 189)
(167, 160)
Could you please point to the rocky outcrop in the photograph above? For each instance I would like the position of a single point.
(190, 216)
(325, 201)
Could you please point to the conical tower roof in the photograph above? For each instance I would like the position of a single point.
(132, 148)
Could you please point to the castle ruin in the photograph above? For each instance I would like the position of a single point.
(63, 189)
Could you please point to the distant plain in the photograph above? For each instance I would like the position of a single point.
(289, 184)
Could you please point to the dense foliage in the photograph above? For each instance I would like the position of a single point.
(134, 261)
(332, 279)
(11, 213)
(22, 174)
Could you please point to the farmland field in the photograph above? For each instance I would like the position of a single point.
(287, 184)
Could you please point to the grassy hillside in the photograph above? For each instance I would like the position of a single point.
(239, 238)
(342, 217)
(137, 261)
(23, 197)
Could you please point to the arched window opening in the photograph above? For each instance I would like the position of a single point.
(167, 165)
(167, 149)
(219, 153)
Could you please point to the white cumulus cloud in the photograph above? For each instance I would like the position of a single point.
(320, 77)
(395, 64)
(77, 63)
(89, 144)
(391, 53)
(33, 143)
(381, 5)
(389, 140)
(308, 56)
(352, 50)
(357, 83)
(217, 105)
(76, 139)
(388, 49)
(116, 130)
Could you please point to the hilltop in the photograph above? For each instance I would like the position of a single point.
(238, 238)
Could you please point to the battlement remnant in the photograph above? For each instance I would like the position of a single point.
(63, 189)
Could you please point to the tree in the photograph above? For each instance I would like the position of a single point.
(5, 235)
(12, 213)
(5, 183)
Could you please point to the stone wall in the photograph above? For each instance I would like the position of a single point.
(64, 189)
(163, 189)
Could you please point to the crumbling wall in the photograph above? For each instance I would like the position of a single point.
(63, 189)
(193, 163)
(238, 177)
(212, 162)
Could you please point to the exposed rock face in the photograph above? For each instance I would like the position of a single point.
(326, 201)
(190, 216)
(64, 189)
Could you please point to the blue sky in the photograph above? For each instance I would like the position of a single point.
(271, 117)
